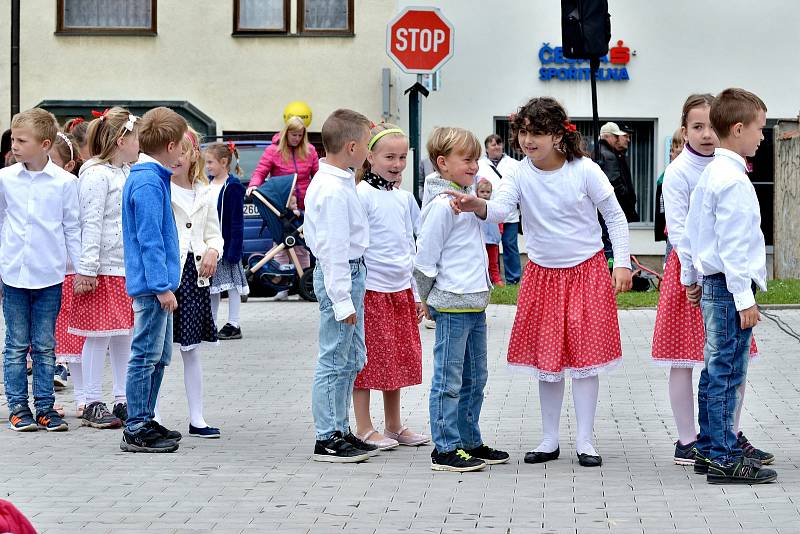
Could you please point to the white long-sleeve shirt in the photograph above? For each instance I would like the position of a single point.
(100, 196)
(559, 212)
(723, 229)
(390, 257)
(680, 179)
(39, 226)
(336, 231)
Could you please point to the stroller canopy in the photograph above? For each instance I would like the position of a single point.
(276, 190)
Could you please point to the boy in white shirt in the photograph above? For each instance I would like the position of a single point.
(39, 231)
(337, 233)
(451, 270)
(723, 242)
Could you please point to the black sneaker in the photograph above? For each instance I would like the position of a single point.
(229, 332)
(120, 411)
(165, 432)
(50, 420)
(351, 438)
(700, 462)
(744, 471)
(489, 455)
(96, 415)
(337, 450)
(749, 451)
(21, 419)
(458, 461)
(684, 454)
(60, 377)
(146, 439)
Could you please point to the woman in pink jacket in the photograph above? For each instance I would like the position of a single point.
(292, 153)
(289, 153)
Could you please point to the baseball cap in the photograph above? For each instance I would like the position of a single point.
(611, 128)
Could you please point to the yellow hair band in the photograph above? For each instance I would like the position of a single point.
(384, 133)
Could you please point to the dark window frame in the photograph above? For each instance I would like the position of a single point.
(287, 22)
(350, 31)
(152, 30)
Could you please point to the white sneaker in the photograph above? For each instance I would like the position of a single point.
(281, 295)
(429, 324)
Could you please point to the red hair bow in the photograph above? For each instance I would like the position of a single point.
(570, 127)
(232, 146)
(77, 120)
(100, 115)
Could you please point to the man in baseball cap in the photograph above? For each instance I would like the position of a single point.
(613, 146)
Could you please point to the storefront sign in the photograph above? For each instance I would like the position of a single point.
(613, 67)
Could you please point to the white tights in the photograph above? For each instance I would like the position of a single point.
(681, 398)
(193, 382)
(234, 304)
(584, 396)
(92, 362)
(76, 372)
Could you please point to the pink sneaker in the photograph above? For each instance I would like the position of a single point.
(383, 444)
(410, 439)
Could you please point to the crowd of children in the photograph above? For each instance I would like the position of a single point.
(134, 253)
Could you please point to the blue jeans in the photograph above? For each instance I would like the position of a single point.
(511, 264)
(151, 352)
(30, 316)
(726, 354)
(459, 376)
(342, 354)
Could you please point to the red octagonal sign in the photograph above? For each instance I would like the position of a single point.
(420, 40)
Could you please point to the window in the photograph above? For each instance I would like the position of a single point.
(325, 17)
(105, 17)
(260, 17)
(641, 157)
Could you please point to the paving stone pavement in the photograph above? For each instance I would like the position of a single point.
(259, 476)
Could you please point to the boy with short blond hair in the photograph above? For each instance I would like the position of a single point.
(726, 246)
(451, 271)
(337, 233)
(152, 274)
(39, 232)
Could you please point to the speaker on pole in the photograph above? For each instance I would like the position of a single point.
(585, 33)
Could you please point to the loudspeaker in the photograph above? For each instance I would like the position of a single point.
(585, 28)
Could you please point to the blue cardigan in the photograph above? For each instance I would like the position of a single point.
(149, 236)
(230, 210)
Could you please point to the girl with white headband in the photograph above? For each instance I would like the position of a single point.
(102, 310)
(391, 305)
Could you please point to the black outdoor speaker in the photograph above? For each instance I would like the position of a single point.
(585, 28)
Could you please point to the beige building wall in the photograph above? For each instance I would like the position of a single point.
(241, 82)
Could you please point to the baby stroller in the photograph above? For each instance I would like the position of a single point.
(286, 230)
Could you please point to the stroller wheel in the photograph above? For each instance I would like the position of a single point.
(306, 286)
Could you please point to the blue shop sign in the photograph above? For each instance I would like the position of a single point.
(613, 67)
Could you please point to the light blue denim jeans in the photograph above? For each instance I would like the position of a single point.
(151, 352)
(459, 376)
(727, 354)
(30, 316)
(342, 354)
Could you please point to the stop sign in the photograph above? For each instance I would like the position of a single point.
(420, 40)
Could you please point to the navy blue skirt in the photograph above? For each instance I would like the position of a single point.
(192, 322)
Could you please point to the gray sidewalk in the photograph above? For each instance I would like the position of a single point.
(259, 476)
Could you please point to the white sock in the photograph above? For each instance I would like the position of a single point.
(157, 417)
(584, 395)
(93, 359)
(234, 304)
(551, 396)
(76, 372)
(739, 403)
(193, 381)
(215, 297)
(119, 353)
(681, 398)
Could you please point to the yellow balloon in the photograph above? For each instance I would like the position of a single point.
(297, 108)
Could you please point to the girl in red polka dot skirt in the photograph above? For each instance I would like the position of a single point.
(566, 322)
(392, 310)
(102, 311)
(679, 335)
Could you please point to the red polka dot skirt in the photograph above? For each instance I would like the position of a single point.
(679, 335)
(69, 347)
(106, 311)
(566, 322)
(391, 333)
